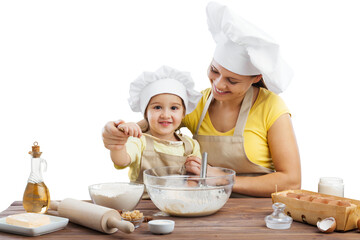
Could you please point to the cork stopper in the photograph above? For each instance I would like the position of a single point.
(35, 150)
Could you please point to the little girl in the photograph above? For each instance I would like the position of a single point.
(163, 97)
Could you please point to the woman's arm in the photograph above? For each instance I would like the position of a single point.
(286, 159)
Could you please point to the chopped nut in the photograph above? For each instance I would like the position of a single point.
(131, 216)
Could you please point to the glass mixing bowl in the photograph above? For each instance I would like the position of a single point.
(187, 195)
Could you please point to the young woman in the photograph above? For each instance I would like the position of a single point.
(239, 122)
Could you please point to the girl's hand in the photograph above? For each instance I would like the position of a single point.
(113, 138)
(130, 129)
(193, 165)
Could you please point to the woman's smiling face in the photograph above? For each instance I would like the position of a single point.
(227, 85)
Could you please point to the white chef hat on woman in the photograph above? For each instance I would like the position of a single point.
(164, 80)
(244, 49)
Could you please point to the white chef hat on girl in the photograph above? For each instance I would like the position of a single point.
(164, 80)
(244, 49)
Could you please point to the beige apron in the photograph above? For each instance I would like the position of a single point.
(229, 151)
(152, 159)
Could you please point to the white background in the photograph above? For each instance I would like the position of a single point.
(65, 69)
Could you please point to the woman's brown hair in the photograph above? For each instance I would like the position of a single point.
(260, 83)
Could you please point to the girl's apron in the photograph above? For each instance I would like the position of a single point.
(152, 159)
(229, 151)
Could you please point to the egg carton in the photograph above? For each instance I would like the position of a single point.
(310, 207)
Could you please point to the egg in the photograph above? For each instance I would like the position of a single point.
(293, 195)
(316, 195)
(320, 200)
(307, 198)
(327, 225)
(341, 203)
(334, 202)
(344, 203)
(358, 224)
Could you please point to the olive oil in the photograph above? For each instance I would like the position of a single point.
(36, 197)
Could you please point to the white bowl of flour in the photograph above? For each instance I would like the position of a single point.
(117, 195)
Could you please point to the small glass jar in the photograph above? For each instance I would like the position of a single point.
(278, 219)
(331, 186)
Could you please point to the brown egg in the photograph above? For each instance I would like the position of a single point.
(327, 225)
(358, 224)
(293, 195)
(344, 203)
(316, 195)
(320, 200)
(302, 195)
(281, 194)
(334, 202)
(307, 198)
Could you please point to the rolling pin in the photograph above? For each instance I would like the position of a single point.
(93, 216)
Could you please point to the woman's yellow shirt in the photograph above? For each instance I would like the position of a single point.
(267, 108)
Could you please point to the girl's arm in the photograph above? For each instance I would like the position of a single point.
(120, 157)
(115, 140)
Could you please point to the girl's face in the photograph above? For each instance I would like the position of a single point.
(164, 114)
(227, 85)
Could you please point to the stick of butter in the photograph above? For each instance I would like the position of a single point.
(29, 220)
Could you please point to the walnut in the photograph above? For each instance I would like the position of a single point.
(131, 216)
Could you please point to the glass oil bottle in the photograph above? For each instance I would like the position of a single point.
(36, 197)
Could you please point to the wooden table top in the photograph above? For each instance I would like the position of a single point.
(241, 218)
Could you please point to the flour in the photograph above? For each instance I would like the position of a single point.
(117, 196)
(189, 202)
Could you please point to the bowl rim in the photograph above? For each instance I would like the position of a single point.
(231, 173)
(122, 183)
(155, 221)
(136, 220)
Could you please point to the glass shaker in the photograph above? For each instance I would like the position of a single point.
(36, 197)
(278, 219)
